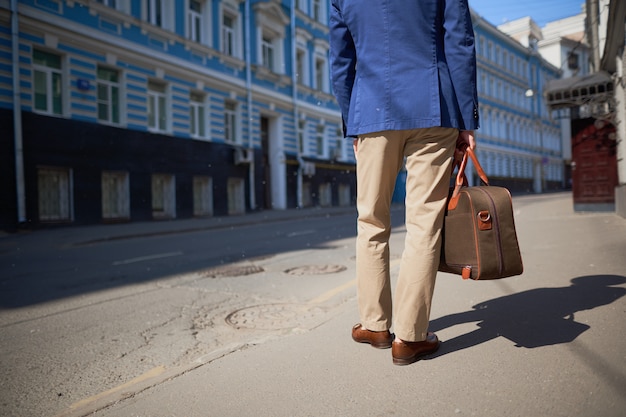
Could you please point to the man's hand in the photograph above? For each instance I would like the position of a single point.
(355, 144)
(465, 140)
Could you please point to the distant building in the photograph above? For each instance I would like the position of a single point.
(519, 144)
(587, 101)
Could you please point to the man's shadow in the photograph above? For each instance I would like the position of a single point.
(534, 318)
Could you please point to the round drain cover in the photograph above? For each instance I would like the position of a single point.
(315, 269)
(232, 271)
(272, 316)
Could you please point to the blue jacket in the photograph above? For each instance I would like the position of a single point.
(403, 64)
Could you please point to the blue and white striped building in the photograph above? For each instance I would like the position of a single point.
(147, 109)
(519, 144)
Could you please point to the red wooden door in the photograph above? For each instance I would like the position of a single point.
(594, 174)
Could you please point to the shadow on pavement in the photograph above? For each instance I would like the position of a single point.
(533, 318)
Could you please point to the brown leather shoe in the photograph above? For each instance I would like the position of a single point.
(405, 353)
(379, 340)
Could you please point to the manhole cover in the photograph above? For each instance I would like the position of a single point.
(272, 316)
(232, 271)
(315, 269)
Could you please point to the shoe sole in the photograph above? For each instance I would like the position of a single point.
(374, 345)
(413, 359)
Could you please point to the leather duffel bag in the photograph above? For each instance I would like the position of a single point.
(479, 237)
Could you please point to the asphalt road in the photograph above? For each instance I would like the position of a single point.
(254, 319)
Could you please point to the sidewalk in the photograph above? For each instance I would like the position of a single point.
(547, 343)
(103, 232)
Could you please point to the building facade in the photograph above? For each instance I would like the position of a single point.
(519, 144)
(135, 110)
(147, 109)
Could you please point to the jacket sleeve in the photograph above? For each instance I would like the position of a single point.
(460, 55)
(342, 60)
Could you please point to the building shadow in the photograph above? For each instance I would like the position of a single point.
(533, 318)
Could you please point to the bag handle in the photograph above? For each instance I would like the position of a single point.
(461, 179)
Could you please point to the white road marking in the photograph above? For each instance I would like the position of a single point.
(300, 233)
(147, 258)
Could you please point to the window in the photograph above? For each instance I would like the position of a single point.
(302, 136)
(110, 3)
(197, 115)
(230, 38)
(236, 196)
(572, 61)
(163, 196)
(344, 195)
(301, 72)
(302, 5)
(230, 121)
(318, 11)
(115, 195)
(157, 107)
(108, 95)
(202, 196)
(155, 12)
(319, 141)
(194, 20)
(271, 22)
(321, 73)
(268, 55)
(48, 82)
(325, 194)
(54, 192)
(338, 152)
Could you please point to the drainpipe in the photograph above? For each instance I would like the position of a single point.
(17, 118)
(248, 52)
(294, 98)
(592, 17)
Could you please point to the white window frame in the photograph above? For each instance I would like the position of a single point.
(303, 6)
(53, 82)
(230, 36)
(268, 52)
(271, 25)
(339, 151)
(318, 11)
(115, 195)
(198, 115)
(194, 21)
(201, 19)
(302, 64)
(155, 12)
(322, 76)
(320, 141)
(158, 114)
(160, 13)
(302, 136)
(231, 122)
(113, 104)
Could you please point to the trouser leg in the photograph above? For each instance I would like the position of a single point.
(429, 155)
(379, 158)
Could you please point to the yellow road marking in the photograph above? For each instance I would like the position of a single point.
(150, 374)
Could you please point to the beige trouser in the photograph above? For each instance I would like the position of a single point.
(380, 155)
